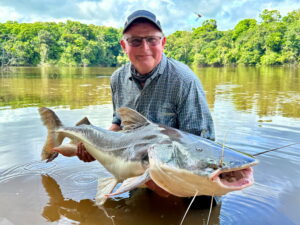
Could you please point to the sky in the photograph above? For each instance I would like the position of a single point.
(173, 14)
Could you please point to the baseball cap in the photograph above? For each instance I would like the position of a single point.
(139, 14)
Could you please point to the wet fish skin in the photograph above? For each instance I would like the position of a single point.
(182, 164)
(116, 151)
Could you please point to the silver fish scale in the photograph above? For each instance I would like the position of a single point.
(130, 145)
(173, 147)
(198, 155)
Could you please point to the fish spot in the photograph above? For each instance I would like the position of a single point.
(173, 133)
(149, 137)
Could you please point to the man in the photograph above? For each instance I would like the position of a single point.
(162, 89)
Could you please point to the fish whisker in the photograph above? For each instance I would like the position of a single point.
(188, 208)
(210, 208)
(107, 215)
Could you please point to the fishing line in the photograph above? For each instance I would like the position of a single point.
(188, 208)
(223, 145)
(275, 149)
(211, 205)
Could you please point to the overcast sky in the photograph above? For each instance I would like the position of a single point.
(173, 14)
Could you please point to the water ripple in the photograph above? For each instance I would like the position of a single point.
(256, 205)
(39, 166)
(84, 178)
(36, 167)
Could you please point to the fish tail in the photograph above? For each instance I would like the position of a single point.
(54, 139)
(49, 118)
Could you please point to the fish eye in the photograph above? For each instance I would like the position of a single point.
(199, 149)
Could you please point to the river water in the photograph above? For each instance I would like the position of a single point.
(254, 109)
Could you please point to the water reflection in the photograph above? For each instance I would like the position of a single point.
(58, 207)
(73, 87)
(254, 109)
(267, 91)
(63, 192)
(142, 206)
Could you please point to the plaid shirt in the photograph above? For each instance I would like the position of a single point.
(172, 96)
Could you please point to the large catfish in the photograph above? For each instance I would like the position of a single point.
(180, 163)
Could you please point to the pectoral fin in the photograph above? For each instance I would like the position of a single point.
(105, 187)
(131, 183)
(68, 150)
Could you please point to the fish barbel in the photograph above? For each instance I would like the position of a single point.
(180, 163)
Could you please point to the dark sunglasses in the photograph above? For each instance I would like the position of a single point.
(137, 41)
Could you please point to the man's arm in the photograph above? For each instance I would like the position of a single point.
(193, 112)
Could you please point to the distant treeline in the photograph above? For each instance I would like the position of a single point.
(275, 40)
(71, 43)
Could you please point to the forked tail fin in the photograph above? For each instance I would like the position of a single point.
(52, 122)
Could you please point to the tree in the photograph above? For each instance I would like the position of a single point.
(207, 26)
(292, 17)
(269, 16)
(243, 26)
(179, 46)
(273, 41)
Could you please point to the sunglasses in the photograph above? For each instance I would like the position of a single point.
(137, 41)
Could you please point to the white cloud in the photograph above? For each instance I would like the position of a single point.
(8, 13)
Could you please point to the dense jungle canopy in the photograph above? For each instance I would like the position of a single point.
(274, 40)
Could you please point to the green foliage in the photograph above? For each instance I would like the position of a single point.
(178, 46)
(271, 58)
(243, 26)
(207, 26)
(269, 16)
(71, 44)
(273, 41)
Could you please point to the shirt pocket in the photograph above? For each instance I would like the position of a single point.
(164, 114)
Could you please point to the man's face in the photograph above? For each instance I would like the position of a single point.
(144, 57)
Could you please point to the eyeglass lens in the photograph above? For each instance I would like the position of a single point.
(137, 41)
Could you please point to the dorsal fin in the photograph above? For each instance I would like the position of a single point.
(131, 119)
(85, 120)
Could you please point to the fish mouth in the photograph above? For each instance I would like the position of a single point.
(185, 183)
(182, 182)
(236, 179)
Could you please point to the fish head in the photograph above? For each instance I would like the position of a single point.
(198, 165)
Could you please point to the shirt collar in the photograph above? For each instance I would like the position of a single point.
(160, 70)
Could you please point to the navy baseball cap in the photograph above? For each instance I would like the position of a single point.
(142, 14)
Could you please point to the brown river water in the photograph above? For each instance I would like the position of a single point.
(254, 109)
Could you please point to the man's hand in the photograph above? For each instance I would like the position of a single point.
(83, 154)
(114, 127)
(158, 190)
